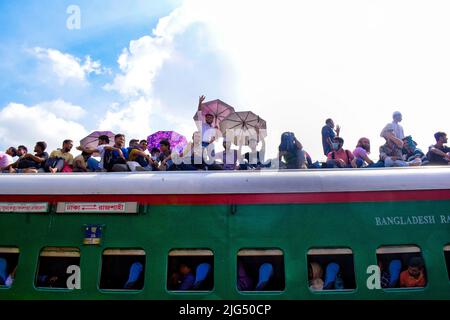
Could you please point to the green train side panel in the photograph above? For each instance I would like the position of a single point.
(293, 228)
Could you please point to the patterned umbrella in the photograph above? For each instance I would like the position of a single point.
(177, 141)
(91, 141)
(219, 109)
(244, 125)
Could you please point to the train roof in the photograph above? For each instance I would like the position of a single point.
(228, 182)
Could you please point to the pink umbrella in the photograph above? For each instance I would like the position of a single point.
(177, 141)
(91, 141)
(219, 109)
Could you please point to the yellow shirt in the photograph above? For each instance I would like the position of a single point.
(66, 156)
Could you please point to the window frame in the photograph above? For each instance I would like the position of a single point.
(328, 251)
(260, 252)
(10, 250)
(182, 252)
(402, 249)
(139, 252)
(52, 251)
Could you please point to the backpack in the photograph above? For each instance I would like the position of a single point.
(109, 160)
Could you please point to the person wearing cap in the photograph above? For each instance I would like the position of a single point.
(395, 126)
(6, 158)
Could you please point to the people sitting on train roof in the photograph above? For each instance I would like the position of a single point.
(115, 160)
(414, 276)
(184, 278)
(60, 160)
(80, 162)
(192, 155)
(439, 153)
(132, 144)
(290, 152)
(394, 126)
(315, 275)
(92, 163)
(333, 279)
(391, 152)
(412, 153)
(139, 155)
(254, 160)
(361, 154)
(328, 134)
(165, 157)
(229, 157)
(28, 163)
(339, 157)
(390, 277)
(6, 158)
(155, 152)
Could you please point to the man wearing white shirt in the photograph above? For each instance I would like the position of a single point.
(395, 126)
(208, 130)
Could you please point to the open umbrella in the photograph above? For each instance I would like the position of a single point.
(241, 126)
(177, 141)
(91, 141)
(219, 109)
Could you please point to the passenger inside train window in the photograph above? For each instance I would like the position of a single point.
(190, 270)
(260, 270)
(123, 269)
(414, 275)
(447, 259)
(331, 269)
(53, 267)
(8, 265)
(401, 267)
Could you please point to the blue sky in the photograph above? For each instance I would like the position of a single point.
(106, 28)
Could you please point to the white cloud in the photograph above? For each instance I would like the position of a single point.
(133, 119)
(63, 109)
(141, 62)
(68, 67)
(21, 124)
(296, 63)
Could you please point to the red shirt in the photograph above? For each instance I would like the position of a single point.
(345, 155)
(409, 282)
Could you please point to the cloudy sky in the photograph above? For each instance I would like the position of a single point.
(138, 67)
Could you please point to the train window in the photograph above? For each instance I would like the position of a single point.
(260, 270)
(401, 267)
(447, 259)
(331, 269)
(58, 268)
(9, 258)
(122, 269)
(190, 270)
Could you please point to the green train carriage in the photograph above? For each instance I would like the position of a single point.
(100, 224)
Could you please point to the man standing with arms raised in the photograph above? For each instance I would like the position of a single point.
(328, 135)
(208, 130)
